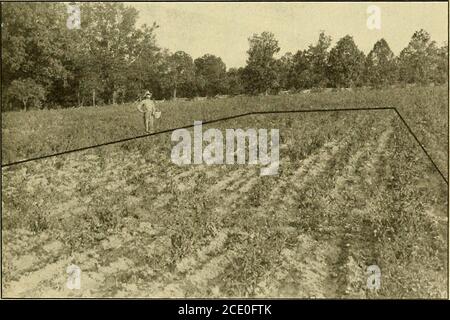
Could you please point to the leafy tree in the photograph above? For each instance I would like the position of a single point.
(346, 63)
(417, 62)
(179, 74)
(381, 66)
(441, 73)
(317, 59)
(235, 84)
(76, 66)
(284, 70)
(299, 76)
(28, 92)
(148, 67)
(210, 73)
(310, 66)
(260, 73)
(34, 38)
(114, 44)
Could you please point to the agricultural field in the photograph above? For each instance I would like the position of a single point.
(354, 189)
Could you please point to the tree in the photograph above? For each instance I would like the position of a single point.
(148, 66)
(284, 67)
(260, 73)
(346, 63)
(115, 45)
(300, 75)
(179, 74)
(235, 84)
(97, 62)
(317, 59)
(417, 62)
(441, 74)
(381, 66)
(310, 66)
(34, 42)
(210, 74)
(27, 91)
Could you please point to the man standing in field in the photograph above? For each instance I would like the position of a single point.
(148, 108)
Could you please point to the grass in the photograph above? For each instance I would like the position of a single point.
(42, 132)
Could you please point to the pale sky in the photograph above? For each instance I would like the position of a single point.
(223, 29)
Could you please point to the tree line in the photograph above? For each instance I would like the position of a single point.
(110, 60)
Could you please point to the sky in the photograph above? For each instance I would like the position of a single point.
(223, 29)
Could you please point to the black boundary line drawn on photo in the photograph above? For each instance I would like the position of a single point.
(235, 117)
